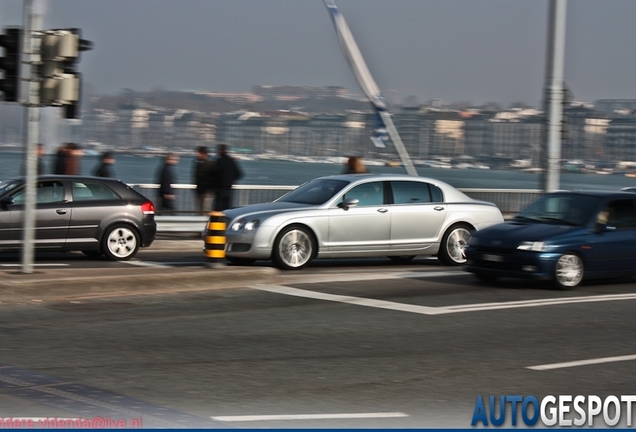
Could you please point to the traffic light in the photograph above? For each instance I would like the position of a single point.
(61, 83)
(10, 63)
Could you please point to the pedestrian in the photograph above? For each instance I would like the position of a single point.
(226, 173)
(73, 159)
(202, 174)
(354, 165)
(39, 152)
(105, 168)
(166, 180)
(61, 158)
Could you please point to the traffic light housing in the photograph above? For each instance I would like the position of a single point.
(11, 41)
(61, 83)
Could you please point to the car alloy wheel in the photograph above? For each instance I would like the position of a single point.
(568, 272)
(294, 248)
(121, 242)
(454, 243)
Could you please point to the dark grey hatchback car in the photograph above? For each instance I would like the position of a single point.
(97, 216)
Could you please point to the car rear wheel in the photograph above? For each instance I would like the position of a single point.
(294, 248)
(454, 243)
(120, 242)
(402, 259)
(568, 271)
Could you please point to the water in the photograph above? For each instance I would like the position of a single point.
(138, 169)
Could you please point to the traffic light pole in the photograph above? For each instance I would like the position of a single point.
(32, 25)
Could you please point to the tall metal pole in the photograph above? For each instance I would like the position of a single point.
(32, 25)
(553, 96)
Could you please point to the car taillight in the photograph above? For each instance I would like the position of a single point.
(148, 208)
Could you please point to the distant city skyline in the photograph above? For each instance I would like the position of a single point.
(454, 50)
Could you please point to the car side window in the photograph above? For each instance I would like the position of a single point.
(368, 194)
(410, 192)
(92, 191)
(45, 192)
(621, 214)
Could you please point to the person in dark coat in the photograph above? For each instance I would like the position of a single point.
(74, 155)
(203, 178)
(105, 168)
(226, 173)
(39, 152)
(166, 180)
(61, 159)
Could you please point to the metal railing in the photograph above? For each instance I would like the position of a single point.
(186, 219)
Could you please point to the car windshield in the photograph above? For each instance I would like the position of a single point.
(7, 185)
(563, 209)
(315, 192)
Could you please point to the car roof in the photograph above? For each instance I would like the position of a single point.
(386, 177)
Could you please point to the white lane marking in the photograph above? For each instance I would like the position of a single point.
(582, 362)
(539, 302)
(280, 289)
(146, 264)
(248, 418)
(428, 310)
(37, 265)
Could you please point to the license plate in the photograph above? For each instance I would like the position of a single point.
(491, 257)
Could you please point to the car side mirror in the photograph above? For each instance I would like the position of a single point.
(348, 202)
(5, 202)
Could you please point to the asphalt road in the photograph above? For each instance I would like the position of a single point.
(363, 343)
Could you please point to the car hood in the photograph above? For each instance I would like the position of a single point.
(266, 209)
(513, 232)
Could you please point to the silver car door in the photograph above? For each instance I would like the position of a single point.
(416, 217)
(364, 227)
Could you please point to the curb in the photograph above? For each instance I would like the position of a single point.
(52, 285)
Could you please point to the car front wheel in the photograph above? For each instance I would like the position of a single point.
(294, 248)
(568, 272)
(454, 243)
(120, 242)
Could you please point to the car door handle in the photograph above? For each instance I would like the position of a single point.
(438, 208)
(61, 211)
(383, 210)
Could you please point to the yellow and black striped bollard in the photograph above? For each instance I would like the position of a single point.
(215, 238)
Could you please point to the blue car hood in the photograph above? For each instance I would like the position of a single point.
(513, 232)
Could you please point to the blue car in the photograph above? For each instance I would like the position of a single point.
(563, 237)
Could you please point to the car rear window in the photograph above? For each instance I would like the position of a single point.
(92, 191)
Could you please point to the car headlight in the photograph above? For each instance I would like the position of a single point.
(245, 225)
(536, 246)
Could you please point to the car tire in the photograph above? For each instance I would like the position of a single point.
(120, 242)
(402, 259)
(568, 271)
(92, 253)
(241, 261)
(294, 248)
(454, 242)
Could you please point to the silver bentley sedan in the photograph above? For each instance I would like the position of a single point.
(358, 215)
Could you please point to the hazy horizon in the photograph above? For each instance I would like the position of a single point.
(455, 50)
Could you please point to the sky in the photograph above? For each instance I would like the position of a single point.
(455, 50)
